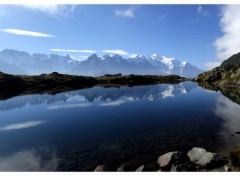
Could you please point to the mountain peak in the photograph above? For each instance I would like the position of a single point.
(155, 56)
(93, 56)
(139, 56)
(106, 56)
(13, 52)
(117, 56)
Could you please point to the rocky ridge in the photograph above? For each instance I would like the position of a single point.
(226, 75)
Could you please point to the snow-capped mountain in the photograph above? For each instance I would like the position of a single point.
(153, 64)
(22, 62)
(36, 63)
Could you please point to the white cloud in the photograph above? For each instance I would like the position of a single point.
(73, 50)
(66, 106)
(17, 126)
(202, 11)
(229, 112)
(211, 65)
(116, 51)
(229, 43)
(52, 9)
(133, 55)
(129, 12)
(26, 33)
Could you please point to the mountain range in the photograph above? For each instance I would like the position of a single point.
(20, 62)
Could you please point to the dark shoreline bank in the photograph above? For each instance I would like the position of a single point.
(15, 85)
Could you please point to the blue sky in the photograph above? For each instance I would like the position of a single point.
(186, 32)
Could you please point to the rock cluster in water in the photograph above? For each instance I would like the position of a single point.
(196, 159)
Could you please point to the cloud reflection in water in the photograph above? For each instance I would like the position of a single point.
(22, 125)
(229, 112)
(29, 160)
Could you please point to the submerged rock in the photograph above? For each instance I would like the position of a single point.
(164, 160)
(100, 168)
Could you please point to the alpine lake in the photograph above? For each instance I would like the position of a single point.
(79, 130)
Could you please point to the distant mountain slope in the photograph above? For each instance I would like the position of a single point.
(227, 74)
(11, 69)
(98, 65)
(151, 65)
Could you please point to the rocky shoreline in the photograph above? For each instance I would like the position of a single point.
(197, 160)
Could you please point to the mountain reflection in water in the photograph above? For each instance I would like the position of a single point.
(149, 92)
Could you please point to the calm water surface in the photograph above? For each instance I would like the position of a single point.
(78, 130)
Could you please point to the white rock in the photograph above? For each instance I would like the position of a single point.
(196, 153)
(205, 159)
(165, 159)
